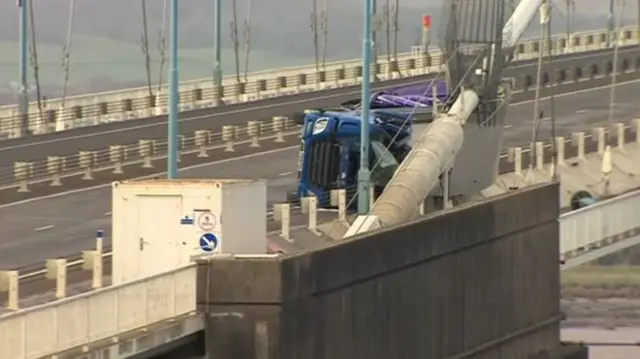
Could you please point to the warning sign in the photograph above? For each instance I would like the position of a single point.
(207, 221)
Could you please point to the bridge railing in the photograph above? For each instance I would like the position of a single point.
(93, 109)
(144, 154)
(105, 313)
(102, 314)
(599, 225)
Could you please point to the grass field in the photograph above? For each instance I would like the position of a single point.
(602, 282)
(593, 276)
(96, 61)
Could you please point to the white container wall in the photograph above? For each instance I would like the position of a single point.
(159, 225)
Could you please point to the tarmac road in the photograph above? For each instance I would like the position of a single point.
(100, 137)
(64, 224)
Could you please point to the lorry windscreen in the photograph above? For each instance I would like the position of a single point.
(384, 164)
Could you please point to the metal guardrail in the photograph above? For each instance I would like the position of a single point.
(622, 134)
(105, 313)
(93, 109)
(144, 152)
(599, 225)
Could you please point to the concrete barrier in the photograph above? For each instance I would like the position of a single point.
(146, 152)
(9, 283)
(402, 287)
(57, 271)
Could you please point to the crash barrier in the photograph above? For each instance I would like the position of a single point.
(580, 147)
(57, 270)
(567, 77)
(106, 312)
(93, 109)
(143, 154)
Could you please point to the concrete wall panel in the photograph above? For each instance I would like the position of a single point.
(480, 281)
(245, 280)
(431, 288)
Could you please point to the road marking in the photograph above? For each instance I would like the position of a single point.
(107, 213)
(105, 185)
(43, 228)
(241, 158)
(254, 108)
(195, 118)
(577, 92)
(285, 174)
(565, 57)
(508, 126)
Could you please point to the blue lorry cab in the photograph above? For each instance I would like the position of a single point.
(329, 156)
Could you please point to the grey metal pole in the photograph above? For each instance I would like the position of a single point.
(364, 175)
(217, 65)
(610, 25)
(23, 98)
(374, 37)
(172, 133)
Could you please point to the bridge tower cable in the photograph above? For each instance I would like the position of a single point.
(162, 43)
(66, 52)
(234, 38)
(570, 7)
(611, 22)
(144, 44)
(247, 41)
(34, 58)
(480, 95)
(23, 97)
(314, 31)
(386, 15)
(324, 28)
(396, 28)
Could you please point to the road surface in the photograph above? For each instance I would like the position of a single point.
(64, 224)
(128, 132)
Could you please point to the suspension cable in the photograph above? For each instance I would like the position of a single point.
(234, 38)
(324, 27)
(314, 30)
(458, 86)
(162, 43)
(145, 45)
(34, 57)
(66, 52)
(247, 42)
